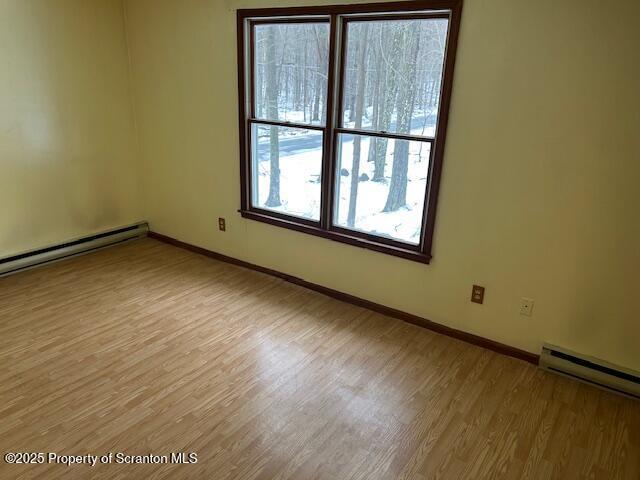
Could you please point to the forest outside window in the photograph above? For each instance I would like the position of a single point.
(343, 114)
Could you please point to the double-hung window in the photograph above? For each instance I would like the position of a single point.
(343, 113)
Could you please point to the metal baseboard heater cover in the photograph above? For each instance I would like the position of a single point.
(590, 370)
(78, 246)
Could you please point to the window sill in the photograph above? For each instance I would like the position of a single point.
(368, 243)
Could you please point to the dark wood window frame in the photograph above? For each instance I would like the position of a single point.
(338, 17)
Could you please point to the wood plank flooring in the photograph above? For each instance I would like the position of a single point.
(148, 349)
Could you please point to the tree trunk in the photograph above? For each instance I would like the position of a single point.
(351, 106)
(397, 197)
(315, 114)
(388, 95)
(318, 90)
(273, 199)
(298, 70)
(305, 89)
(359, 111)
(375, 110)
(259, 89)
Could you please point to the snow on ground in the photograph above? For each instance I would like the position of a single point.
(403, 224)
(300, 169)
(285, 114)
(423, 122)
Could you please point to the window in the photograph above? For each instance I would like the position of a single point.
(343, 113)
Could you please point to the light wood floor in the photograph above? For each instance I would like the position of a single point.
(146, 348)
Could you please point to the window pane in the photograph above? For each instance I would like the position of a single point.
(393, 72)
(286, 170)
(290, 68)
(381, 185)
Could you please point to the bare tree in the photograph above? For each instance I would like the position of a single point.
(273, 199)
(320, 77)
(397, 196)
(389, 59)
(359, 113)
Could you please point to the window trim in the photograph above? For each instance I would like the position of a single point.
(338, 16)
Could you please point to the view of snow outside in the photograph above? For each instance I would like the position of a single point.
(300, 170)
(403, 224)
(391, 83)
(300, 176)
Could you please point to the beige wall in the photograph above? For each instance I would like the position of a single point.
(539, 194)
(67, 136)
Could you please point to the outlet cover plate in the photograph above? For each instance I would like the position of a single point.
(477, 294)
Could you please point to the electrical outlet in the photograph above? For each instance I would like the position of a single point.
(477, 294)
(526, 306)
(222, 224)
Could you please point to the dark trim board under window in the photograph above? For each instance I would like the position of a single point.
(343, 116)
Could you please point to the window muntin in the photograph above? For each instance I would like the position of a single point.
(417, 129)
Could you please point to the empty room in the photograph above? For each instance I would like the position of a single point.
(319, 239)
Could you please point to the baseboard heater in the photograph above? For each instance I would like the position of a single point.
(34, 258)
(590, 370)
